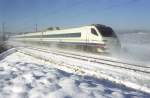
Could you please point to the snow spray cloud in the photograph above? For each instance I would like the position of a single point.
(135, 47)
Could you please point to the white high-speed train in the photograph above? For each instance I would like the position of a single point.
(96, 37)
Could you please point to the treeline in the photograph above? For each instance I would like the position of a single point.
(2, 47)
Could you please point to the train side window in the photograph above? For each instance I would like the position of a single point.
(93, 31)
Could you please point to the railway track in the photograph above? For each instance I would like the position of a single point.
(108, 62)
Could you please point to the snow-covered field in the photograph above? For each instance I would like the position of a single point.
(23, 76)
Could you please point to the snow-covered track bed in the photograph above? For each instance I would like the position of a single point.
(105, 61)
(131, 77)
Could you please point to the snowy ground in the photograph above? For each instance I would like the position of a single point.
(22, 76)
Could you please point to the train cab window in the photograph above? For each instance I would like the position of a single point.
(93, 31)
(106, 31)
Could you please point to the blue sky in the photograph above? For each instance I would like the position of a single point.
(22, 15)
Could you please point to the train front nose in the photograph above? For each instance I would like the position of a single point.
(111, 45)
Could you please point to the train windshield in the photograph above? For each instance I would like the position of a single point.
(106, 31)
